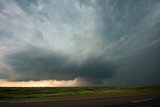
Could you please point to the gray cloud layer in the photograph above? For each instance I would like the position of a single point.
(38, 64)
(116, 42)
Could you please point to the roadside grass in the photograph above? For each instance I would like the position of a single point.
(46, 92)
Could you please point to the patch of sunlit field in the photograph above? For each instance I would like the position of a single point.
(56, 92)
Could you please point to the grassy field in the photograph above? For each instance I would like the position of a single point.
(39, 92)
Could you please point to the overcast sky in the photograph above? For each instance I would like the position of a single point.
(98, 42)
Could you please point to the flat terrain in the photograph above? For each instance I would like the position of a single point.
(149, 100)
(80, 97)
(48, 92)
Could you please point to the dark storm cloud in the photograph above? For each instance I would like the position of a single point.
(132, 25)
(123, 18)
(38, 64)
(142, 68)
(99, 40)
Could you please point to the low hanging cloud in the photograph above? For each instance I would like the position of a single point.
(38, 64)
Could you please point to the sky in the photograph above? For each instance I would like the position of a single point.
(79, 42)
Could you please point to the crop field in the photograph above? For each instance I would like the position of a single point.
(47, 92)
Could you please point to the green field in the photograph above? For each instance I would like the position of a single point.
(44, 92)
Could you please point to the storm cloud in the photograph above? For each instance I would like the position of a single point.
(38, 64)
(104, 42)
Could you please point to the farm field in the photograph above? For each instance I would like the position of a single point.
(59, 92)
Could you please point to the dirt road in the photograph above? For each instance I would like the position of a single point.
(150, 100)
